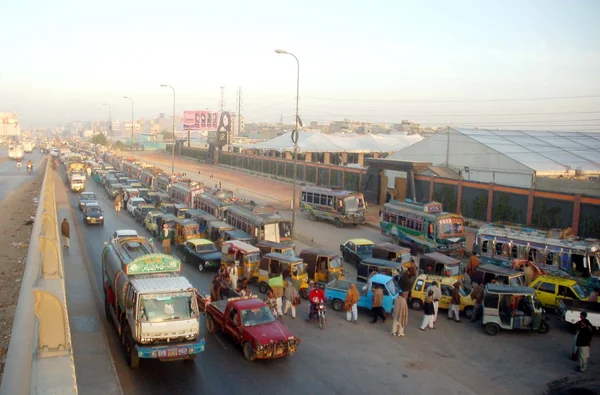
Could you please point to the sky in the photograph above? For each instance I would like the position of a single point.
(465, 63)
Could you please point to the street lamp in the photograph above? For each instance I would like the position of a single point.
(129, 98)
(173, 145)
(109, 122)
(294, 140)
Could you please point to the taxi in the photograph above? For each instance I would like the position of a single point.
(355, 250)
(150, 221)
(446, 284)
(549, 289)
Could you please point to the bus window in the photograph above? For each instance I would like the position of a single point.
(579, 263)
(514, 252)
(532, 255)
(499, 247)
(323, 200)
(330, 201)
(303, 197)
(484, 247)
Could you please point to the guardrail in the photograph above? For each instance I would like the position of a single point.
(40, 356)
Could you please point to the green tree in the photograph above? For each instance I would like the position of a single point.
(167, 135)
(99, 138)
(119, 146)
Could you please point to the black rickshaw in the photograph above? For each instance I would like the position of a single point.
(168, 219)
(391, 252)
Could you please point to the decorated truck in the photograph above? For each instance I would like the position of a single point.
(153, 308)
(74, 168)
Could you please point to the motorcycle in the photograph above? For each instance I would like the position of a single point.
(19, 165)
(29, 169)
(319, 312)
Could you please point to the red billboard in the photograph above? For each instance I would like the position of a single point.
(200, 120)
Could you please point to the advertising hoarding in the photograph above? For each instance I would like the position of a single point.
(204, 120)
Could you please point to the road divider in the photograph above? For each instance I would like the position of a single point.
(40, 355)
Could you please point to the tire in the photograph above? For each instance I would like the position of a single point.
(396, 240)
(304, 293)
(337, 304)
(248, 353)
(263, 287)
(338, 222)
(191, 358)
(492, 329)
(416, 304)
(200, 267)
(321, 321)
(210, 324)
(469, 311)
(544, 327)
(107, 309)
(133, 360)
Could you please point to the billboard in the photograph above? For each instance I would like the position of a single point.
(201, 120)
(219, 137)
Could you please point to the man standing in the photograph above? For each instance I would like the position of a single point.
(378, 305)
(473, 264)
(455, 303)
(65, 233)
(584, 339)
(276, 284)
(405, 284)
(165, 236)
(290, 294)
(437, 295)
(233, 274)
(399, 316)
(414, 251)
(477, 296)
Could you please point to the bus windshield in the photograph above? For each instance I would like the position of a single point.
(354, 203)
(451, 228)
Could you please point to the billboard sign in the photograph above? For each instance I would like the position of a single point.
(200, 120)
(218, 137)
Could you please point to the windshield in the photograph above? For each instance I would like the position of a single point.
(298, 269)
(453, 227)
(580, 292)
(93, 209)
(285, 229)
(136, 203)
(190, 230)
(453, 270)
(289, 253)
(391, 287)
(335, 262)
(160, 308)
(252, 257)
(518, 281)
(88, 196)
(206, 248)
(254, 317)
(364, 250)
(464, 291)
(354, 203)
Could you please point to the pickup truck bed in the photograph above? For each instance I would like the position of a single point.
(569, 311)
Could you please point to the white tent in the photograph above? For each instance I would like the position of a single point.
(352, 143)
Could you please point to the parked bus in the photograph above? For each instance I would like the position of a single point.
(186, 191)
(341, 207)
(262, 223)
(163, 183)
(215, 205)
(432, 229)
(148, 176)
(553, 251)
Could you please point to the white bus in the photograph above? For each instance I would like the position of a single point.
(15, 152)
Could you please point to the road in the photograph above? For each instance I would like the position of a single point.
(343, 358)
(12, 178)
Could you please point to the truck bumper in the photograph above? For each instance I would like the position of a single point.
(175, 351)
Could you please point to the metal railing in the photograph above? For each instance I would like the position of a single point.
(40, 356)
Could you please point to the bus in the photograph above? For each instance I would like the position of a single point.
(553, 251)
(186, 191)
(340, 207)
(15, 152)
(163, 183)
(216, 204)
(262, 223)
(148, 176)
(427, 225)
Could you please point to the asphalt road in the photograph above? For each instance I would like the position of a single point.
(12, 178)
(343, 358)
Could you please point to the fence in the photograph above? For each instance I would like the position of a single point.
(40, 357)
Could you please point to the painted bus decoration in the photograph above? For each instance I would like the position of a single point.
(427, 225)
(340, 207)
(552, 251)
(214, 204)
(186, 191)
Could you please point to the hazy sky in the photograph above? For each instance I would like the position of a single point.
(380, 61)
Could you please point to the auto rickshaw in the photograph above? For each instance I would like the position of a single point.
(391, 252)
(152, 198)
(143, 193)
(167, 208)
(437, 264)
(512, 308)
(132, 192)
(194, 214)
(204, 221)
(322, 266)
(237, 234)
(180, 210)
(168, 219)
(366, 266)
(267, 247)
(275, 264)
(186, 229)
(245, 256)
(215, 231)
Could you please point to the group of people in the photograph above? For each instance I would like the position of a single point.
(226, 282)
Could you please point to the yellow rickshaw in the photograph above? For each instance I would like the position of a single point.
(186, 229)
(245, 256)
(322, 266)
(275, 264)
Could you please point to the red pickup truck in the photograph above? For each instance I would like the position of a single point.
(250, 322)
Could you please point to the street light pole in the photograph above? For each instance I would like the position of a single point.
(109, 122)
(129, 98)
(173, 145)
(281, 51)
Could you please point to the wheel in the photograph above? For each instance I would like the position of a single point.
(337, 305)
(263, 287)
(544, 327)
(338, 223)
(321, 320)
(210, 324)
(304, 293)
(396, 240)
(201, 267)
(492, 329)
(133, 360)
(248, 353)
(416, 304)
(107, 309)
(469, 312)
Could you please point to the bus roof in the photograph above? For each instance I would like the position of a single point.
(333, 192)
(416, 209)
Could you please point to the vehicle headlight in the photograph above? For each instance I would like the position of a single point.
(88, 217)
(100, 217)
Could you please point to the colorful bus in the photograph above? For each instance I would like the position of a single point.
(163, 183)
(186, 191)
(340, 207)
(553, 251)
(148, 176)
(427, 225)
(262, 223)
(215, 205)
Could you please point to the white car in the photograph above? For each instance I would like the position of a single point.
(133, 203)
(119, 234)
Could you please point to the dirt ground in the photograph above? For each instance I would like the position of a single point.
(15, 233)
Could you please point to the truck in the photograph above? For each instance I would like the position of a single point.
(570, 309)
(15, 152)
(74, 168)
(153, 308)
(335, 292)
(251, 324)
(77, 182)
(28, 146)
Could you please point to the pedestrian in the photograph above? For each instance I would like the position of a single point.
(428, 313)
(271, 301)
(477, 296)
(454, 310)
(165, 236)
(65, 232)
(276, 285)
(473, 264)
(215, 289)
(578, 325)
(405, 284)
(414, 251)
(291, 298)
(388, 196)
(594, 295)
(118, 202)
(584, 340)
(399, 316)
(351, 303)
(437, 295)
(378, 305)
(232, 271)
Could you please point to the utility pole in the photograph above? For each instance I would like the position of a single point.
(239, 111)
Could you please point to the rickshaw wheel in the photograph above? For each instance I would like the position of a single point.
(492, 329)
(544, 327)
(263, 287)
(304, 293)
(416, 304)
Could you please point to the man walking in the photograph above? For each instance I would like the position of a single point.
(428, 314)
(455, 303)
(378, 305)
(584, 339)
(65, 232)
(437, 295)
(165, 236)
(399, 316)
(477, 296)
(290, 295)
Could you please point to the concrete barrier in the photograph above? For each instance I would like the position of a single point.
(40, 356)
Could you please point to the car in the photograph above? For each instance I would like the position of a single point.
(355, 250)
(549, 289)
(133, 203)
(93, 214)
(119, 234)
(446, 284)
(86, 198)
(151, 221)
(140, 212)
(200, 252)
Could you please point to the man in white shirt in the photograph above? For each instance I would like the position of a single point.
(437, 295)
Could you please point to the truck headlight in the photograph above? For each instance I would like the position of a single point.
(100, 217)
